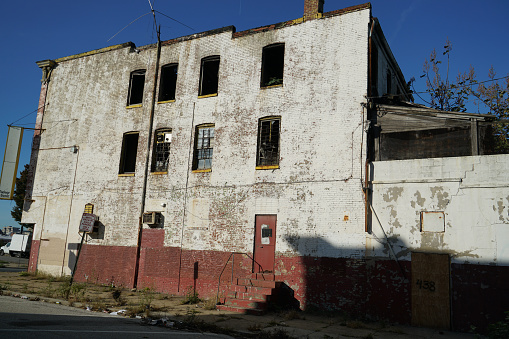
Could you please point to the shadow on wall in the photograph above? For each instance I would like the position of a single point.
(343, 279)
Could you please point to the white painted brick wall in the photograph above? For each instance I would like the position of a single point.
(471, 191)
(316, 193)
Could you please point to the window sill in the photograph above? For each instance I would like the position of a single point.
(134, 106)
(158, 173)
(207, 95)
(267, 167)
(165, 102)
(273, 86)
(203, 170)
(126, 175)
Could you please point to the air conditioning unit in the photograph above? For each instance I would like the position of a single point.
(152, 218)
(167, 137)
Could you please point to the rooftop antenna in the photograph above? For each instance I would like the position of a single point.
(158, 29)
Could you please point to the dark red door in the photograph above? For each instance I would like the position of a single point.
(265, 243)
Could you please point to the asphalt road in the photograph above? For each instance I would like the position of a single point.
(21, 318)
(15, 264)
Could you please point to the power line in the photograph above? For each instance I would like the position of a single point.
(169, 17)
(23, 117)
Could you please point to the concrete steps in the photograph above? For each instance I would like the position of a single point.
(250, 295)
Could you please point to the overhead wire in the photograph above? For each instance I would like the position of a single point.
(23, 117)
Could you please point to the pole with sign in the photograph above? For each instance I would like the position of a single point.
(86, 226)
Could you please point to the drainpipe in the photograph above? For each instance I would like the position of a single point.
(145, 176)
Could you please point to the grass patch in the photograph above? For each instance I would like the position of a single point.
(191, 297)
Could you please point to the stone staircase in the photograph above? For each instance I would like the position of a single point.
(251, 295)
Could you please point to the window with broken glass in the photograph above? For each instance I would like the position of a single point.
(161, 151)
(273, 62)
(204, 144)
(136, 85)
(268, 142)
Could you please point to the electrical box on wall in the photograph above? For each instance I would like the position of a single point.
(152, 218)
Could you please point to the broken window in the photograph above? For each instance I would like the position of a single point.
(161, 151)
(168, 83)
(136, 84)
(268, 142)
(273, 61)
(203, 146)
(209, 75)
(128, 154)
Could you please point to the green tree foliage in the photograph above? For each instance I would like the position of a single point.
(491, 96)
(19, 194)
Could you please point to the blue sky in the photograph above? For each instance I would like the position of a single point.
(37, 30)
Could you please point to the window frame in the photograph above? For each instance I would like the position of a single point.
(263, 164)
(209, 76)
(273, 65)
(199, 147)
(136, 86)
(162, 150)
(128, 154)
(168, 83)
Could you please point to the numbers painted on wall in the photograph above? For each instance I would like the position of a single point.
(426, 285)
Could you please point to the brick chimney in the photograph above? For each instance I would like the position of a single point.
(313, 9)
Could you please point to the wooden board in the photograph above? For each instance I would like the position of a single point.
(431, 290)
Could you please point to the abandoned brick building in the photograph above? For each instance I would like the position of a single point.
(213, 156)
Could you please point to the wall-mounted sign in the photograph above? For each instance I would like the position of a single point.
(10, 164)
(87, 222)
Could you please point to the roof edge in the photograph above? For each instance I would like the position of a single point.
(96, 51)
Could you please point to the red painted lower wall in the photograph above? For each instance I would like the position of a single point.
(34, 255)
(376, 288)
(107, 265)
(480, 295)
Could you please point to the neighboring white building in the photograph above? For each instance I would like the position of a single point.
(254, 142)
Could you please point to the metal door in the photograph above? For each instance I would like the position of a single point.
(430, 290)
(265, 243)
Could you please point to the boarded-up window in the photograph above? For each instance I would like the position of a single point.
(268, 142)
(168, 84)
(204, 144)
(209, 75)
(136, 85)
(273, 62)
(161, 151)
(128, 154)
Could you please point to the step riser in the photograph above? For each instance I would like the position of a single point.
(256, 283)
(251, 289)
(263, 276)
(246, 295)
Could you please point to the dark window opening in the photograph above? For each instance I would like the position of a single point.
(136, 84)
(389, 82)
(273, 61)
(268, 142)
(203, 147)
(128, 155)
(209, 75)
(374, 71)
(168, 83)
(161, 151)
